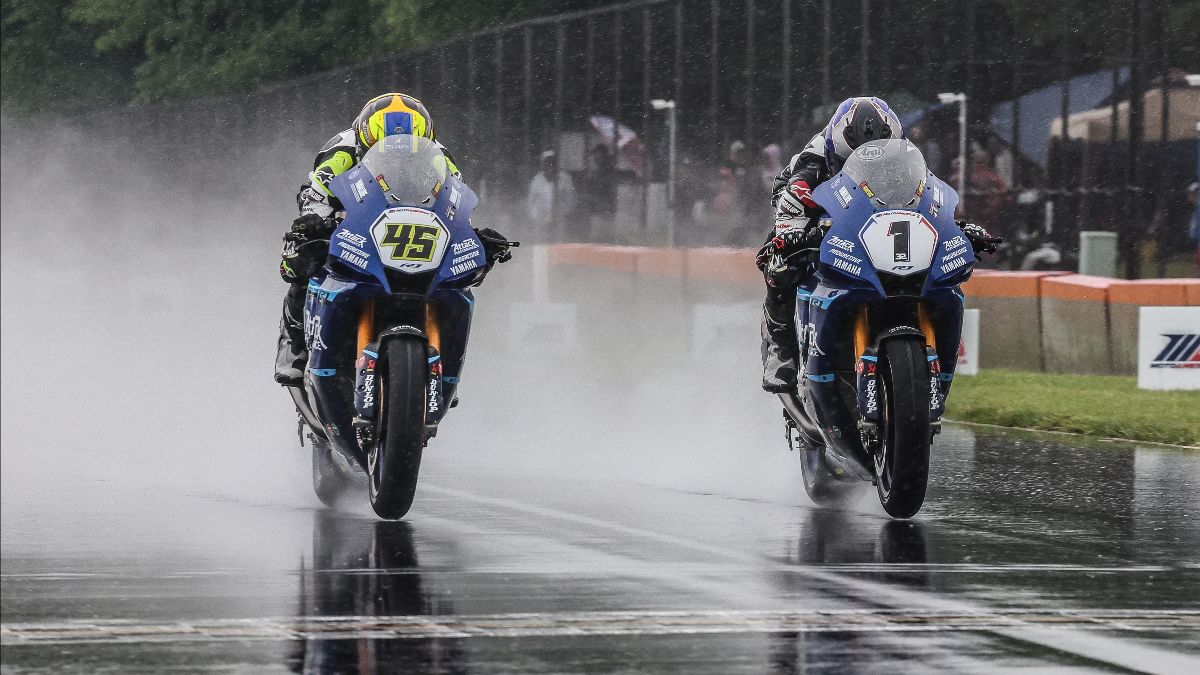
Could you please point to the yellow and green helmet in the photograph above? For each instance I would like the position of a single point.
(390, 114)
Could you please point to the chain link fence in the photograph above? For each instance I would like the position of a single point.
(746, 75)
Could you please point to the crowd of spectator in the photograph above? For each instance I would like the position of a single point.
(727, 202)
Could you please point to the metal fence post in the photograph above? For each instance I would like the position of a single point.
(864, 47)
(645, 113)
(785, 73)
(713, 72)
(557, 225)
(1129, 243)
(748, 123)
(616, 100)
(472, 111)
(527, 97)
(826, 35)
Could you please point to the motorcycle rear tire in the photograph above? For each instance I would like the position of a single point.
(394, 464)
(902, 469)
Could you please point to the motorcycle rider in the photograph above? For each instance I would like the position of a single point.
(306, 244)
(786, 260)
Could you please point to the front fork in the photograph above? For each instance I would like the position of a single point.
(868, 378)
(366, 380)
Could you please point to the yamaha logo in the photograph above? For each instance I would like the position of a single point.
(869, 152)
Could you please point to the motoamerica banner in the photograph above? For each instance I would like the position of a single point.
(1169, 348)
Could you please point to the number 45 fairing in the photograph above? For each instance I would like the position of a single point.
(387, 319)
(879, 326)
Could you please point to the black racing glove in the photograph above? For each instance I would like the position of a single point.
(310, 226)
(790, 255)
(495, 246)
(981, 240)
(305, 247)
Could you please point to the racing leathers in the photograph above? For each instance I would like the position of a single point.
(306, 245)
(784, 262)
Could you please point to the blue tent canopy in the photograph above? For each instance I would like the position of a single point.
(1041, 107)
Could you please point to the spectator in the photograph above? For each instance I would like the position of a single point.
(769, 166)
(737, 191)
(540, 202)
(928, 147)
(1193, 197)
(1002, 159)
(598, 197)
(988, 193)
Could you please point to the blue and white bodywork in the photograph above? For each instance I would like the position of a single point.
(402, 260)
(890, 264)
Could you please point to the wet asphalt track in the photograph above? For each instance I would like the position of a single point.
(1084, 558)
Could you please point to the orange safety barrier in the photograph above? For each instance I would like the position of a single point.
(732, 265)
(736, 265)
(1156, 292)
(661, 262)
(1077, 287)
(616, 258)
(997, 284)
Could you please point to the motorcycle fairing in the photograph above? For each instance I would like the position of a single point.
(365, 202)
(846, 279)
(331, 312)
(844, 254)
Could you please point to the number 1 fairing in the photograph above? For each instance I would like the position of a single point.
(891, 263)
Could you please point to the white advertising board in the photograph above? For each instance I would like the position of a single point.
(968, 349)
(725, 328)
(542, 327)
(1169, 348)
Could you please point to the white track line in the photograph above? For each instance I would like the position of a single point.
(1116, 651)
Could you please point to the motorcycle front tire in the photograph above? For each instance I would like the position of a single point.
(902, 467)
(393, 465)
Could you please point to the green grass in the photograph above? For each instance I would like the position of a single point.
(1097, 405)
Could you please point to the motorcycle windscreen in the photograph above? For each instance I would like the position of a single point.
(410, 170)
(891, 173)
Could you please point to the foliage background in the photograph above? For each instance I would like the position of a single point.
(60, 56)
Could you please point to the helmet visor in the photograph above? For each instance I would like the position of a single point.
(409, 169)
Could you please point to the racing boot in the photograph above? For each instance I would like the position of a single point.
(292, 356)
(779, 346)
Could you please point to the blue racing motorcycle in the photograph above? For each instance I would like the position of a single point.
(878, 327)
(386, 320)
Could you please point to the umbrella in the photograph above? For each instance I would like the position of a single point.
(631, 156)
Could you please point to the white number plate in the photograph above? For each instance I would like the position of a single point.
(899, 242)
(410, 240)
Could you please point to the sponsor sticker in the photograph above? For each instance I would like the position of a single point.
(840, 264)
(844, 244)
(844, 196)
(846, 256)
(358, 240)
(951, 265)
(359, 189)
(359, 261)
(464, 246)
(312, 332)
(464, 267)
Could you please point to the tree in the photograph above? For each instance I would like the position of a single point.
(47, 62)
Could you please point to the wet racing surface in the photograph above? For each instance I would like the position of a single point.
(1080, 557)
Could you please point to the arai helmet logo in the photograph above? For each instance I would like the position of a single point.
(869, 152)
